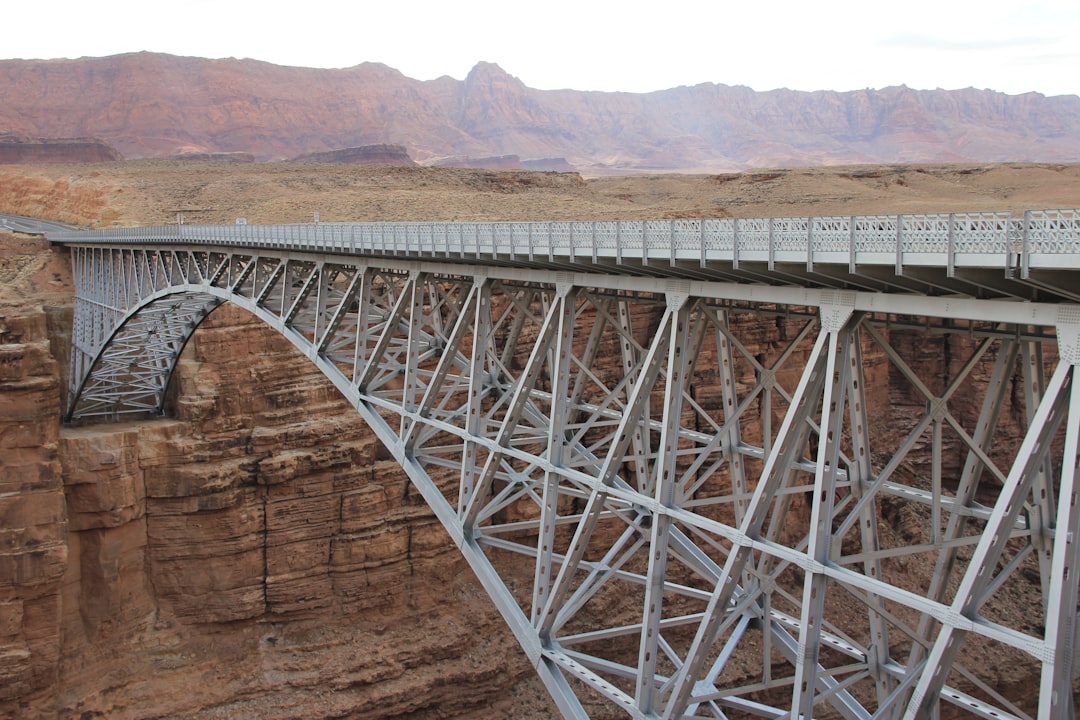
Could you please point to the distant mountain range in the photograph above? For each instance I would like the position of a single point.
(155, 105)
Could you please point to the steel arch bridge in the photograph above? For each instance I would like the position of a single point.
(698, 465)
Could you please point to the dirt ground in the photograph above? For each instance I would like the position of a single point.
(162, 192)
(153, 192)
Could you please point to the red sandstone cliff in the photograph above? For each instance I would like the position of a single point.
(148, 104)
(255, 556)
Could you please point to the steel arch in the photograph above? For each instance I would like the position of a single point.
(691, 555)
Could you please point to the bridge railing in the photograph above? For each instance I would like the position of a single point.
(1038, 239)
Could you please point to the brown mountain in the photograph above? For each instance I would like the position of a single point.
(149, 105)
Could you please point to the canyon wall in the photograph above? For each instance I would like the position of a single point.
(256, 555)
(34, 551)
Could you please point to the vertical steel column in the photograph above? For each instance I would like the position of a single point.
(556, 447)
(363, 322)
(413, 354)
(663, 484)
(732, 441)
(396, 318)
(322, 300)
(1031, 360)
(1055, 696)
(520, 398)
(834, 322)
(968, 482)
(778, 466)
(451, 352)
(635, 405)
(478, 384)
(627, 348)
(588, 358)
(971, 593)
(861, 471)
(330, 328)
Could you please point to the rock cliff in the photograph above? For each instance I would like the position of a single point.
(502, 162)
(225, 157)
(148, 104)
(34, 551)
(365, 155)
(15, 149)
(254, 556)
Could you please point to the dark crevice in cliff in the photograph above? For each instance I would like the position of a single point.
(148, 566)
(265, 530)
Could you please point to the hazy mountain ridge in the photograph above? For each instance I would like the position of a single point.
(151, 105)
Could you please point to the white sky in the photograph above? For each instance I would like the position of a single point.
(1012, 47)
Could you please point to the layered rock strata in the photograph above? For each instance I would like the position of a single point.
(33, 519)
(255, 556)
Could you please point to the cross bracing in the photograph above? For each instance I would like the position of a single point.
(717, 488)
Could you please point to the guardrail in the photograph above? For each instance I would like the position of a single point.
(1038, 239)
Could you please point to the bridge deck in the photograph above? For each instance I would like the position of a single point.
(1035, 256)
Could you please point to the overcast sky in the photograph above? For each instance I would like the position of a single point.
(594, 45)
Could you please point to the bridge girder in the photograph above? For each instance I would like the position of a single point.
(668, 519)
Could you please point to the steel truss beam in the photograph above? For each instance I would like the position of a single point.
(730, 500)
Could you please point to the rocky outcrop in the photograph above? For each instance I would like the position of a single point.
(226, 157)
(365, 155)
(18, 150)
(274, 112)
(548, 165)
(502, 162)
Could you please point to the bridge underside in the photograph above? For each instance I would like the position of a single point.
(692, 499)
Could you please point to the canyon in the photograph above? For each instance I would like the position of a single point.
(150, 105)
(254, 553)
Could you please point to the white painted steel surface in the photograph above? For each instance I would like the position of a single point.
(670, 522)
(978, 254)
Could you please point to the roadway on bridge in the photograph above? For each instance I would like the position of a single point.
(29, 225)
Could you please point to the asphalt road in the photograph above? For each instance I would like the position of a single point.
(30, 226)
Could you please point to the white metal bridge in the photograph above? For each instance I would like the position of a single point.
(785, 467)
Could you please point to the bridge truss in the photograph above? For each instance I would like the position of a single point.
(688, 496)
